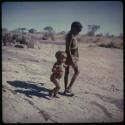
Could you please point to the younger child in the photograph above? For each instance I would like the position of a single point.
(57, 72)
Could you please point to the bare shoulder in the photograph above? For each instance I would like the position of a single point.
(69, 37)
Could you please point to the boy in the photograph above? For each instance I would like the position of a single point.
(72, 55)
(57, 72)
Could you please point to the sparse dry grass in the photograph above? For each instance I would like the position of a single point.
(102, 41)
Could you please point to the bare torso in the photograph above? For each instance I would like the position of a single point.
(72, 46)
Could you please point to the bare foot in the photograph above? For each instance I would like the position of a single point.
(50, 93)
(68, 92)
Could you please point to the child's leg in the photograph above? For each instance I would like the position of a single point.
(66, 77)
(76, 73)
(56, 89)
(56, 81)
(51, 92)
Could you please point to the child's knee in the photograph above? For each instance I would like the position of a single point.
(77, 72)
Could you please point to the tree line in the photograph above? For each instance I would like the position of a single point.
(49, 31)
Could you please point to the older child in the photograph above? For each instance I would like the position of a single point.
(72, 55)
(57, 72)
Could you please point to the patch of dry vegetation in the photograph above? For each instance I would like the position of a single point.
(107, 42)
(31, 40)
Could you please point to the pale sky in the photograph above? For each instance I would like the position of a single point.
(60, 15)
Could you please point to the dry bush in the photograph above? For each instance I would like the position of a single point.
(118, 44)
(30, 44)
(112, 44)
(109, 45)
(19, 46)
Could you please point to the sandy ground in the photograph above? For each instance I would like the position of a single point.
(25, 84)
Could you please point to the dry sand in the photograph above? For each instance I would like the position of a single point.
(25, 84)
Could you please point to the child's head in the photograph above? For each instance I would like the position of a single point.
(61, 56)
(76, 27)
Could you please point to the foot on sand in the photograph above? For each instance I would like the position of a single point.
(50, 93)
(68, 93)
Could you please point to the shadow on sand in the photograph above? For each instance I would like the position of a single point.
(29, 89)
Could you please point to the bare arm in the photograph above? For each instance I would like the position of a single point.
(68, 46)
(72, 56)
(54, 68)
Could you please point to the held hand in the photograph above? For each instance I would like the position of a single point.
(64, 65)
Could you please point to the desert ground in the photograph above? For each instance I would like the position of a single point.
(26, 82)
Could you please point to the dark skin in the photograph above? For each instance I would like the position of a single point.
(72, 62)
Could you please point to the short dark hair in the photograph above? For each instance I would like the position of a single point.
(76, 25)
